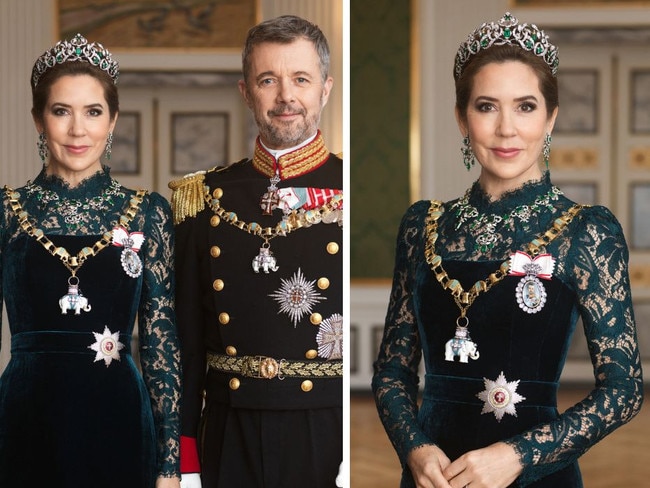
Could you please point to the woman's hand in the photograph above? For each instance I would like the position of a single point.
(495, 466)
(427, 464)
(173, 482)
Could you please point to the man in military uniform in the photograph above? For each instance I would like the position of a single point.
(259, 283)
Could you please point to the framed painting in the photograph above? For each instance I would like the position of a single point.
(125, 154)
(640, 102)
(640, 208)
(578, 90)
(199, 24)
(198, 140)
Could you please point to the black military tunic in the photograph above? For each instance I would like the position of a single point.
(271, 341)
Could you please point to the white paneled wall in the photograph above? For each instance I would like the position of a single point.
(26, 30)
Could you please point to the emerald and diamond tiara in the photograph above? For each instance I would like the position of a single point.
(507, 31)
(77, 49)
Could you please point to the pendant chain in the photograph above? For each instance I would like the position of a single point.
(465, 299)
(73, 263)
(327, 213)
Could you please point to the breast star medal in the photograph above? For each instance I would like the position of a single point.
(500, 397)
(297, 296)
(330, 337)
(107, 345)
(530, 292)
(131, 243)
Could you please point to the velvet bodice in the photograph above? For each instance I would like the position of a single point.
(33, 281)
(590, 280)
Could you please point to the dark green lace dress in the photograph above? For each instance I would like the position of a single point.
(74, 409)
(507, 388)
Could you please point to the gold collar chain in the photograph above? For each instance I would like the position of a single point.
(465, 299)
(73, 263)
(329, 213)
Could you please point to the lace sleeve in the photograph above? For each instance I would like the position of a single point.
(596, 265)
(395, 380)
(159, 347)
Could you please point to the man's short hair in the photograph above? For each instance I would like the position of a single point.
(285, 30)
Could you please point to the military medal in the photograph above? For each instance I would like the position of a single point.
(330, 337)
(530, 292)
(270, 200)
(297, 296)
(107, 346)
(461, 344)
(264, 260)
(131, 243)
(74, 300)
(500, 397)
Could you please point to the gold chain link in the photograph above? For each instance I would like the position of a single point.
(73, 263)
(295, 220)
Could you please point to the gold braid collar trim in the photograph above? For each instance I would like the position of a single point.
(264, 367)
(73, 263)
(295, 163)
(465, 299)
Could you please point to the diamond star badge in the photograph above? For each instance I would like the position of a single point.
(330, 337)
(107, 346)
(500, 397)
(297, 296)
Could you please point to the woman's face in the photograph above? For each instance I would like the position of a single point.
(76, 121)
(507, 122)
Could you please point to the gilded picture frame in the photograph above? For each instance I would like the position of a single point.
(198, 140)
(167, 24)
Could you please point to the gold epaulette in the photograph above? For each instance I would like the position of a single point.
(188, 197)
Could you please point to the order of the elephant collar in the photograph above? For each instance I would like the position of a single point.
(295, 163)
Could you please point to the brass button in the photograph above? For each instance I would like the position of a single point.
(224, 318)
(217, 193)
(323, 283)
(215, 251)
(218, 284)
(316, 318)
(311, 354)
(231, 351)
(204, 394)
(332, 248)
(234, 383)
(215, 220)
(306, 385)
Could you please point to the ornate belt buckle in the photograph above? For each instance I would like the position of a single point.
(268, 367)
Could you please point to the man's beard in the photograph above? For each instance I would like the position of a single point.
(284, 135)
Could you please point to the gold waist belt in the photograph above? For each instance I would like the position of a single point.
(269, 368)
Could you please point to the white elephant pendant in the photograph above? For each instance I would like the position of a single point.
(265, 261)
(74, 300)
(462, 346)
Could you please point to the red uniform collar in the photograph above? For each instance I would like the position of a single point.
(296, 163)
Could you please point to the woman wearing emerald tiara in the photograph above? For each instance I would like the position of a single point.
(488, 288)
(81, 256)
